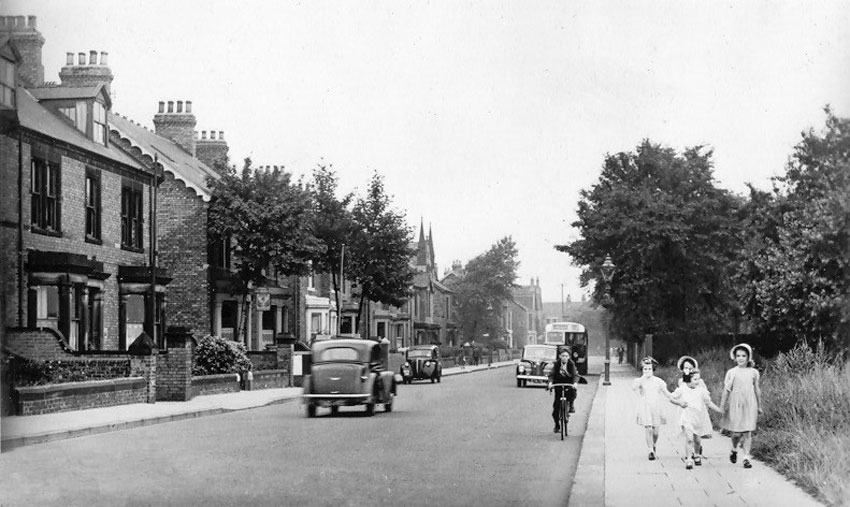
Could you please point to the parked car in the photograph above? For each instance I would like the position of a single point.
(422, 362)
(535, 365)
(348, 372)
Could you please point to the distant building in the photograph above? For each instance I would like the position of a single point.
(529, 299)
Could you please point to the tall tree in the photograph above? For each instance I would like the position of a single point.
(484, 288)
(671, 233)
(333, 225)
(268, 220)
(799, 273)
(380, 250)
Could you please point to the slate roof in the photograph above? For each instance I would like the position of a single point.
(173, 158)
(33, 116)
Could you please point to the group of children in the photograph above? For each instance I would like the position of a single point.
(740, 405)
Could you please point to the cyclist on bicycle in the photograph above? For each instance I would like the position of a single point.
(564, 371)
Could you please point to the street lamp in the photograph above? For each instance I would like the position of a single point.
(608, 275)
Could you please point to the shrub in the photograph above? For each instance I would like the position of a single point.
(215, 355)
(28, 372)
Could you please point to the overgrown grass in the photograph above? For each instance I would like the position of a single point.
(804, 432)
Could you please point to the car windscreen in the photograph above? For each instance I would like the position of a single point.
(419, 354)
(540, 354)
(339, 354)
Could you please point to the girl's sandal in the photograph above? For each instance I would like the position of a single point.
(747, 463)
(733, 456)
(698, 460)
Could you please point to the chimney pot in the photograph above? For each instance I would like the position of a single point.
(221, 135)
(170, 106)
(161, 106)
(31, 20)
(212, 135)
(81, 59)
(103, 55)
(92, 57)
(21, 21)
(188, 106)
(69, 58)
(179, 106)
(203, 134)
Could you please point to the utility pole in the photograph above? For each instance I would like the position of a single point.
(563, 313)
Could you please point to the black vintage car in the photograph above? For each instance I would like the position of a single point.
(348, 372)
(535, 365)
(422, 362)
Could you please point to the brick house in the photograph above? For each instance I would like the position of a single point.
(200, 295)
(528, 321)
(75, 213)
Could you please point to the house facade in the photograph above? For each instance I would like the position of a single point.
(528, 318)
(75, 215)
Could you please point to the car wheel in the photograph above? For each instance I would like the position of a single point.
(518, 383)
(439, 379)
(370, 409)
(433, 380)
(311, 410)
(524, 383)
(334, 410)
(388, 407)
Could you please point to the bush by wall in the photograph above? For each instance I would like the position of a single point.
(214, 356)
(28, 372)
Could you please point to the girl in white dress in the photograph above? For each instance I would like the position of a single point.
(649, 414)
(741, 389)
(695, 400)
(686, 364)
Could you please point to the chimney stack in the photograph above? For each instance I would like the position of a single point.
(29, 41)
(212, 150)
(177, 125)
(86, 73)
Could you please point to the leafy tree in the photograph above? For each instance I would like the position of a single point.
(269, 221)
(671, 234)
(333, 224)
(799, 271)
(484, 287)
(380, 250)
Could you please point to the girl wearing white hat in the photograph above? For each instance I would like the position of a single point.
(741, 389)
(686, 365)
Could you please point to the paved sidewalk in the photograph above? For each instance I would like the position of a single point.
(614, 469)
(17, 431)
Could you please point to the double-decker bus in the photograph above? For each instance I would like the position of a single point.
(570, 334)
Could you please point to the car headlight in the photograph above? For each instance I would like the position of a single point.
(521, 368)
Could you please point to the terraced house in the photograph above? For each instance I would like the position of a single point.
(76, 208)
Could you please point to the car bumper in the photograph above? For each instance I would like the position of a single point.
(533, 378)
(328, 400)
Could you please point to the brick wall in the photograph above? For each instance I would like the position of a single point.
(182, 249)
(270, 379)
(37, 344)
(174, 375)
(80, 395)
(215, 384)
(72, 239)
(263, 360)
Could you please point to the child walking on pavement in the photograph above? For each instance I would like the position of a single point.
(649, 415)
(741, 388)
(695, 400)
(687, 364)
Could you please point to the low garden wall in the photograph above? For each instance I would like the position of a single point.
(270, 379)
(263, 359)
(50, 398)
(214, 384)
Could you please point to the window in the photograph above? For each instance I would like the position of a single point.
(221, 253)
(92, 205)
(131, 217)
(7, 83)
(99, 123)
(44, 189)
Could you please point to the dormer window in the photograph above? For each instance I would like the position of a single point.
(99, 123)
(7, 84)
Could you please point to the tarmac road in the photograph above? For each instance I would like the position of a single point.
(473, 439)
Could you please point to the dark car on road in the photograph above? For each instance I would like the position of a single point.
(348, 372)
(535, 365)
(422, 362)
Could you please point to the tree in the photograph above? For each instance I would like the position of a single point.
(268, 220)
(671, 233)
(380, 250)
(799, 272)
(333, 225)
(484, 288)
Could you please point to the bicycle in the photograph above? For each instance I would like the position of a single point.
(564, 415)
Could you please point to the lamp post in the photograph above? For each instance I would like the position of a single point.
(608, 275)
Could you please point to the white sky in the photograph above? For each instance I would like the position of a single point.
(486, 118)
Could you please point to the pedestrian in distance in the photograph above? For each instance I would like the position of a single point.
(620, 355)
(695, 400)
(649, 413)
(741, 390)
(563, 371)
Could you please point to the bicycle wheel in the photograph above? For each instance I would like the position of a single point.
(564, 418)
